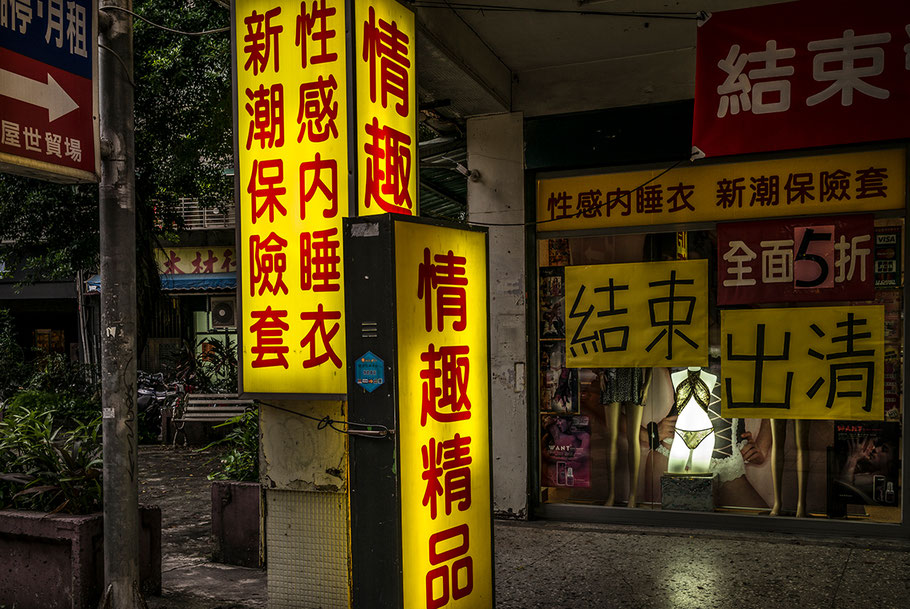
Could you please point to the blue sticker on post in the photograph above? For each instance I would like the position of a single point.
(369, 371)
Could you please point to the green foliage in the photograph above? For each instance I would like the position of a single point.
(241, 461)
(216, 365)
(46, 465)
(56, 373)
(13, 371)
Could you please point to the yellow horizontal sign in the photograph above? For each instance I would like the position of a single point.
(803, 363)
(637, 315)
(829, 184)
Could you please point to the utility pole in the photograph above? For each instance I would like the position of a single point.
(117, 203)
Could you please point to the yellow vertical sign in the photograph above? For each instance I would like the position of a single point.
(444, 443)
(292, 164)
(387, 158)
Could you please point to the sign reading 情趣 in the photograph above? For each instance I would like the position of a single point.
(49, 90)
(292, 176)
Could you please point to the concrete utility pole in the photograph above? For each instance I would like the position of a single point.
(117, 204)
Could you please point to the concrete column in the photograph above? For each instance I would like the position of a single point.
(495, 150)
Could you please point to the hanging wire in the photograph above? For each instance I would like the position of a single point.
(364, 430)
(163, 27)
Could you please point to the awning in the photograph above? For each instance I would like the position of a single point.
(195, 282)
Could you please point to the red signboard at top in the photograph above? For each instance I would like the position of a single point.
(802, 74)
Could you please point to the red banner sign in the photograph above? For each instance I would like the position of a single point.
(801, 260)
(802, 74)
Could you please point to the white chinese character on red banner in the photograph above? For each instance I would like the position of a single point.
(849, 256)
(852, 66)
(739, 254)
(777, 261)
(739, 92)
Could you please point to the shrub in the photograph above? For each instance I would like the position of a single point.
(241, 461)
(13, 370)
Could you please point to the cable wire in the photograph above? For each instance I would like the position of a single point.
(163, 27)
(365, 430)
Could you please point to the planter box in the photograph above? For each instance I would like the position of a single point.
(237, 523)
(57, 561)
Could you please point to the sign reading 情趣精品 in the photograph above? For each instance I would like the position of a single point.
(801, 74)
(724, 192)
(49, 90)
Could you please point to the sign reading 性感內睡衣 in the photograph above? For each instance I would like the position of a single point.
(723, 192)
(638, 314)
(292, 193)
(803, 363)
(801, 74)
(806, 259)
(386, 109)
(48, 89)
(443, 417)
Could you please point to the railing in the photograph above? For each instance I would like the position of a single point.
(197, 217)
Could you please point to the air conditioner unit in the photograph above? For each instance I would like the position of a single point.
(224, 312)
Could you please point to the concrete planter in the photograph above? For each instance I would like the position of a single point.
(57, 561)
(237, 523)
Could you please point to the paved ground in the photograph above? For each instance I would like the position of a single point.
(558, 565)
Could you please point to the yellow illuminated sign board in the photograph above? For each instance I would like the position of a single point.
(292, 175)
(830, 184)
(444, 417)
(387, 158)
(803, 363)
(639, 314)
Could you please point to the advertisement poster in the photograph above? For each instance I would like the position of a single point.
(552, 302)
(558, 384)
(866, 469)
(566, 450)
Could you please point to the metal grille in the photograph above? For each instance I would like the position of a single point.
(197, 217)
(307, 541)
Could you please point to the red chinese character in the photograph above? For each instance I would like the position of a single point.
(558, 205)
(446, 278)
(449, 401)
(870, 183)
(588, 204)
(228, 263)
(328, 188)
(799, 187)
(649, 199)
(319, 317)
(267, 258)
(388, 168)
(204, 266)
(267, 116)
(170, 265)
(446, 471)
(318, 110)
(269, 329)
(834, 186)
(621, 198)
(457, 579)
(259, 43)
(319, 260)
(317, 20)
(390, 46)
(679, 199)
(269, 189)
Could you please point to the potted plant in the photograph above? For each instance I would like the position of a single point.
(51, 526)
(237, 495)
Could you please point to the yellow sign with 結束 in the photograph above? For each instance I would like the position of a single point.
(803, 363)
(292, 168)
(722, 192)
(387, 159)
(444, 417)
(638, 314)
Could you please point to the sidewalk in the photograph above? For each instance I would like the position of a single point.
(561, 565)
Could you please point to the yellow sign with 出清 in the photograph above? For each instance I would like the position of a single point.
(386, 125)
(443, 417)
(292, 176)
(724, 192)
(803, 363)
(638, 314)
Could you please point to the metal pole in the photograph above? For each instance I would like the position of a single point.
(118, 308)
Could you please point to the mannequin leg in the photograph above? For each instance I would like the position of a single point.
(612, 418)
(802, 465)
(633, 427)
(778, 439)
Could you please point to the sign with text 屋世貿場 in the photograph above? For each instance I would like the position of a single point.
(444, 417)
(637, 314)
(291, 177)
(803, 363)
(49, 90)
(386, 125)
(720, 192)
(801, 74)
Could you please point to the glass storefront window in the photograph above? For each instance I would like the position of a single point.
(640, 436)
